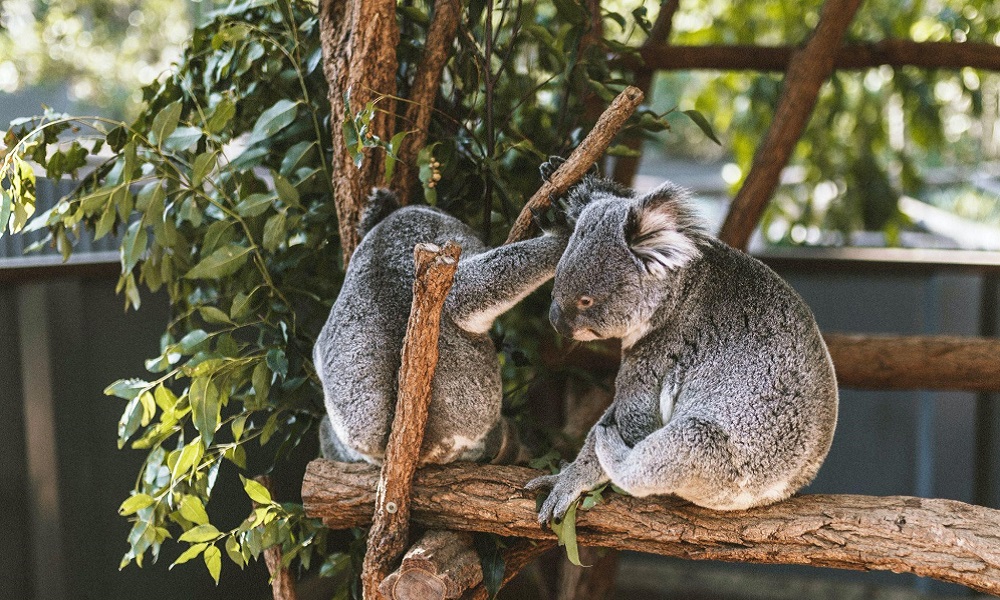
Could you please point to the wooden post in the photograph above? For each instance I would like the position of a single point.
(807, 71)
(388, 537)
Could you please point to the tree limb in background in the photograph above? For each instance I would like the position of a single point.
(353, 32)
(585, 155)
(943, 539)
(627, 166)
(425, 87)
(389, 534)
(282, 580)
(807, 71)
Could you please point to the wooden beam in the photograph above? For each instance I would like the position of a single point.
(892, 52)
(943, 539)
(807, 70)
(895, 362)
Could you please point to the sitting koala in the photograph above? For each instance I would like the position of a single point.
(726, 394)
(357, 353)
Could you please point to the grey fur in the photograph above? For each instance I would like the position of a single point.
(726, 395)
(357, 354)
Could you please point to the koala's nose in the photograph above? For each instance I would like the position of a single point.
(558, 320)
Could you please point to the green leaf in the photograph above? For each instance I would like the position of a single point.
(238, 425)
(6, 208)
(164, 123)
(257, 492)
(277, 361)
(567, 535)
(261, 381)
(126, 389)
(224, 112)
(241, 305)
(255, 204)
(294, 156)
(490, 550)
(703, 124)
(133, 246)
(213, 560)
(393, 154)
(273, 120)
(201, 533)
(224, 261)
(274, 232)
(211, 314)
(165, 398)
(233, 550)
(204, 163)
(190, 553)
(193, 510)
(183, 138)
(189, 458)
(205, 407)
(135, 503)
(286, 191)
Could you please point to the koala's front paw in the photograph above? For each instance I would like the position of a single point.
(611, 449)
(550, 167)
(566, 488)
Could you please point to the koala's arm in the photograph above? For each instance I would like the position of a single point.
(491, 282)
(634, 415)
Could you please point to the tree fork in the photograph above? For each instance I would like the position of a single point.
(942, 539)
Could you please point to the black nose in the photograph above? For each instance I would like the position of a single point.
(558, 321)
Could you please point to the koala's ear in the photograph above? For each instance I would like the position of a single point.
(661, 232)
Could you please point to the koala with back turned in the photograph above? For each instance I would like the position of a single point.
(357, 354)
(726, 394)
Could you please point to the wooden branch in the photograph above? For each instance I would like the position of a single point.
(891, 52)
(355, 33)
(442, 564)
(627, 166)
(586, 154)
(807, 71)
(943, 539)
(424, 91)
(388, 537)
(916, 362)
(282, 580)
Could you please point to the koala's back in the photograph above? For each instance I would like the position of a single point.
(743, 352)
(357, 353)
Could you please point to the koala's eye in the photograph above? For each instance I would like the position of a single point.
(584, 302)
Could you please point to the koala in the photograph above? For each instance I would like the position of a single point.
(726, 395)
(357, 353)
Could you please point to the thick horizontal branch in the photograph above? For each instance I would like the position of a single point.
(894, 53)
(942, 539)
(915, 362)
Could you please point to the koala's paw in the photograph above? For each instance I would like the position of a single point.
(565, 490)
(549, 167)
(611, 449)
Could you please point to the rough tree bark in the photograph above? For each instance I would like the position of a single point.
(807, 71)
(442, 564)
(424, 91)
(354, 33)
(627, 166)
(389, 534)
(892, 52)
(581, 159)
(943, 539)
(282, 579)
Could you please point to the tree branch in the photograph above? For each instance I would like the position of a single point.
(424, 91)
(282, 580)
(892, 52)
(627, 166)
(388, 537)
(896, 362)
(807, 71)
(586, 154)
(943, 539)
(356, 31)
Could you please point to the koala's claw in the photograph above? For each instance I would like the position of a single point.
(563, 494)
(550, 167)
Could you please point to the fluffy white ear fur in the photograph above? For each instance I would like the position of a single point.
(661, 239)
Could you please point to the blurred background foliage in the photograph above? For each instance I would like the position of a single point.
(209, 155)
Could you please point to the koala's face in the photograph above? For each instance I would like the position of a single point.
(613, 271)
(598, 280)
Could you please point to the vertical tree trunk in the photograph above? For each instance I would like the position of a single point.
(359, 39)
